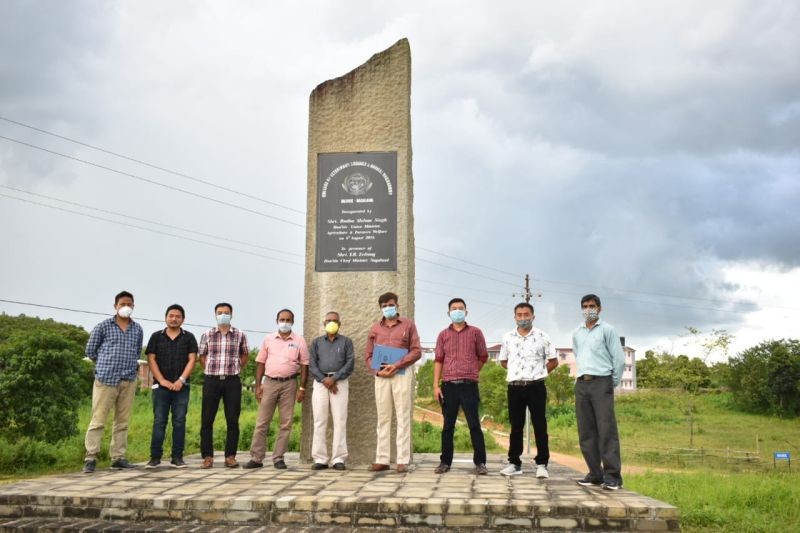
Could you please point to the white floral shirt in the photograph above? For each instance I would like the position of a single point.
(526, 355)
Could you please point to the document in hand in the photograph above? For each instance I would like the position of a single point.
(386, 355)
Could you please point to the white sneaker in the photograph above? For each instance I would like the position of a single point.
(511, 470)
(541, 472)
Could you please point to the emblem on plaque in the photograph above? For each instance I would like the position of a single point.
(357, 184)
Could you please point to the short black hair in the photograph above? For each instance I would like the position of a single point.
(456, 301)
(123, 294)
(386, 297)
(284, 311)
(223, 304)
(175, 307)
(524, 305)
(589, 298)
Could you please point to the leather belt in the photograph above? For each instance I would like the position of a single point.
(282, 379)
(222, 378)
(587, 377)
(524, 382)
(461, 382)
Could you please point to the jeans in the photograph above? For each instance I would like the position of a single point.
(230, 392)
(165, 400)
(466, 396)
(597, 428)
(532, 397)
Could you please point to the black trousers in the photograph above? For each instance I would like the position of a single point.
(597, 428)
(466, 396)
(532, 397)
(229, 391)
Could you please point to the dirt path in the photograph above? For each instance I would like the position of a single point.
(422, 414)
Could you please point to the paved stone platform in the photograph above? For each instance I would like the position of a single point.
(299, 499)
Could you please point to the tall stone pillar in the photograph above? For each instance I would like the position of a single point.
(360, 222)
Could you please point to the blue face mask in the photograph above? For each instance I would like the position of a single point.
(223, 319)
(390, 311)
(458, 315)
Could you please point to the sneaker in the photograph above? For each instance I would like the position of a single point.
(280, 464)
(480, 470)
(589, 481)
(178, 462)
(442, 468)
(122, 464)
(89, 466)
(541, 472)
(612, 485)
(252, 464)
(511, 470)
(319, 466)
(152, 463)
(339, 466)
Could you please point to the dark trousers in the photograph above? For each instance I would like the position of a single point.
(466, 396)
(230, 392)
(532, 397)
(597, 428)
(164, 401)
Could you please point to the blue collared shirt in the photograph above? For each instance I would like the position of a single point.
(115, 352)
(598, 351)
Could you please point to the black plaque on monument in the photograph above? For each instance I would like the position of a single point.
(356, 212)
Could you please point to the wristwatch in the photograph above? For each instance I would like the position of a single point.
(182, 380)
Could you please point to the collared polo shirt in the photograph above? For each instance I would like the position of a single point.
(331, 356)
(598, 351)
(527, 355)
(461, 353)
(222, 351)
(171, 355)
(282, 357)
(402, 334)
(115, 352)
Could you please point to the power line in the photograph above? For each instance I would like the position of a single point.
(466, 272)
(116, 213)
(468, 262)
(83, 311)
(127, 225)
(152, 182)
(151, 165)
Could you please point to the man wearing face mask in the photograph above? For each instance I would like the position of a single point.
(331, 363)
(114, 346)
(601, 360)
(393, 382)
(223, 354)
(460, 355)
(283, 355)
(528, 355)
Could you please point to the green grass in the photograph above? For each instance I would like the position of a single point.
(739, 502)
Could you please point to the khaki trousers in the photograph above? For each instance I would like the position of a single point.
(280, 394)
(394, 392)
(321, 400)
(104, 397)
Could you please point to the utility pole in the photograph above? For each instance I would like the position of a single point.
(526, 290)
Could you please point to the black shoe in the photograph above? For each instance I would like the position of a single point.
(339, 466)
(252, 464)
(442, 468)
(152, 463)
(480, 470)
(589, 481)
(178, 462)
(315, 466)
(279, 464)
(89, 466)
(122, 464)
(612, 485)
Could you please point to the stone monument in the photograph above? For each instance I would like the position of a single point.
(360, 221)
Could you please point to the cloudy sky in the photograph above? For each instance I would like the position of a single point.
(645, 151)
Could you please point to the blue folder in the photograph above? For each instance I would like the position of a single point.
(386, 355)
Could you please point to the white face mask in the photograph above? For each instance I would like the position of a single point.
(284, 327)
(125, 311)
(590, 315)
(223, 319)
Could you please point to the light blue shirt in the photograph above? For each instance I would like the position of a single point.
(598, 351)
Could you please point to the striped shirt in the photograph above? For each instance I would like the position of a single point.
(222, 351)
(115, 352)
(461, 353)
